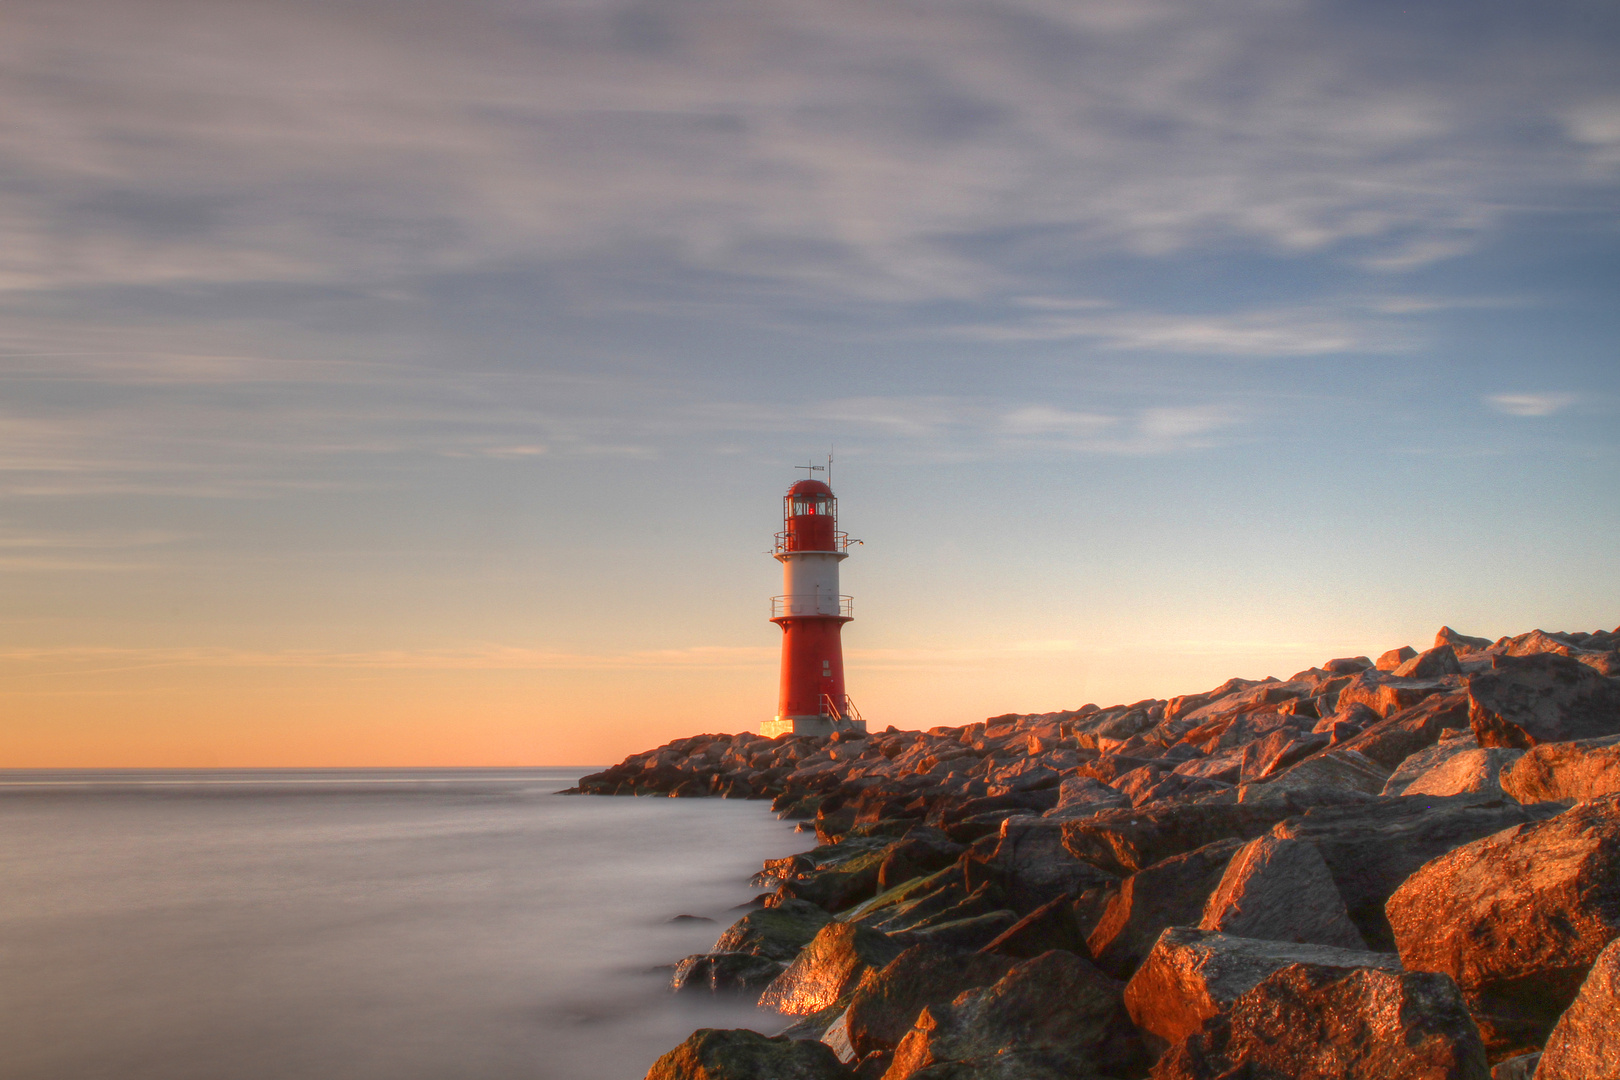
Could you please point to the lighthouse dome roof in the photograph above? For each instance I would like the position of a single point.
(809, 487)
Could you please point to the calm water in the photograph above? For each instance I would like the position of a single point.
(422, 925)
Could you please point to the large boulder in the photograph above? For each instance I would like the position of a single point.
(1171, 892)
(710, 1054)
(828, 968)
(1333, 775)
(1526, 700)
(1585, 1043)
(1306, 1022)
(1394, 739)
(1126, 841)
(1280, 890)
(1371, 849)
(777, 933)
(1036, 868)
(1517, 918)
(1387, 694)
(1193, 975)
(1580, 770)
(887, 1001)
(1456, 766)
(1055, 1016)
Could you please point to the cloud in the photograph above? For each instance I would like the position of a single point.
(838, 149)
(1530, 404)
(1305, 331)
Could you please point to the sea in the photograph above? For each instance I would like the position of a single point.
(442, 924)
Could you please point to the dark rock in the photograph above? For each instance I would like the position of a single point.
(1280, 890)
(968, 932)
(1347, 665)
(1192, 975)
(1526, 700)
(1394, 739)
(1048, 927)
(1580, 770)
(1306, 1022)
(1517, 918)
(710, 1054)
(1585, 1043)
(777, 933)
(1373, 847)
(828, 968)
(1169, 893)
(725, 973)
(887, 1001)
(1035, 867)
(841, 885)
(1054, 1016)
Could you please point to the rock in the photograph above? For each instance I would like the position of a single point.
(1372, 848)
(1305, 1022)
(1585, 1043)
(1126, 841)
(1391, 694)
(1580, 770)
(1169, 893)
(1395, 658)
(1517, 918)
(1076, 791)
(1392, 740)
(1344, 772)
(1416, 764)
(1522, 1067)
(968, 932)
(1469, 770)
(1193, 975)
(1460, 643)
(1347, 665)
(1280, 890)
(839, 885)
(1035, 867)
(1053, 1016)
(1440, 660)
(777, 933)
(828, 968)
(1276, 751)
(1050, 926)
(725, 972)
(1526, 700)
(883, 1006)
(710, 1054)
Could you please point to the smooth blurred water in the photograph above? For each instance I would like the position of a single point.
(407, 925)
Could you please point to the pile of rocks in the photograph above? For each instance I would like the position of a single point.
(1401, 868)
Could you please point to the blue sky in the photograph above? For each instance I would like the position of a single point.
(346, 343)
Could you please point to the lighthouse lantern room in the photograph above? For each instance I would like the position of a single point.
(812, 614)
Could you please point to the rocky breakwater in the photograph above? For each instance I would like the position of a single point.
(1407, 867)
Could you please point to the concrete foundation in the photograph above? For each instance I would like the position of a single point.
(809, 725)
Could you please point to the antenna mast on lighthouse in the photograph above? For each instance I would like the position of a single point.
(812, 613)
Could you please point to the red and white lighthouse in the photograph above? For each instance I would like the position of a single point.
(812, 614)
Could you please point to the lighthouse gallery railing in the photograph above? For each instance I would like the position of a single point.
(809, 604)
(841, 542)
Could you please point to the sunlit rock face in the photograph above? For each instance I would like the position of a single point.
(1586, 1041)
(1517, 918)
(829, 968)
(1308, 1022)
(1192, 975)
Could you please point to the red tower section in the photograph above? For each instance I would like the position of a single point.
(812, 614)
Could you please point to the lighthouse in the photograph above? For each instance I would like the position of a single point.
(812, 614)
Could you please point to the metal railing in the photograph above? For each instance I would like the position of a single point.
(842, 711)
(841, 542)
(810, 604)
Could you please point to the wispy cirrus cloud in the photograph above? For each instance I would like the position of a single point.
(1530, 404)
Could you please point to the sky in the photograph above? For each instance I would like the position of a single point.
(415, 383)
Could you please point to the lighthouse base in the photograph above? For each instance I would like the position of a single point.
(809, 725)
